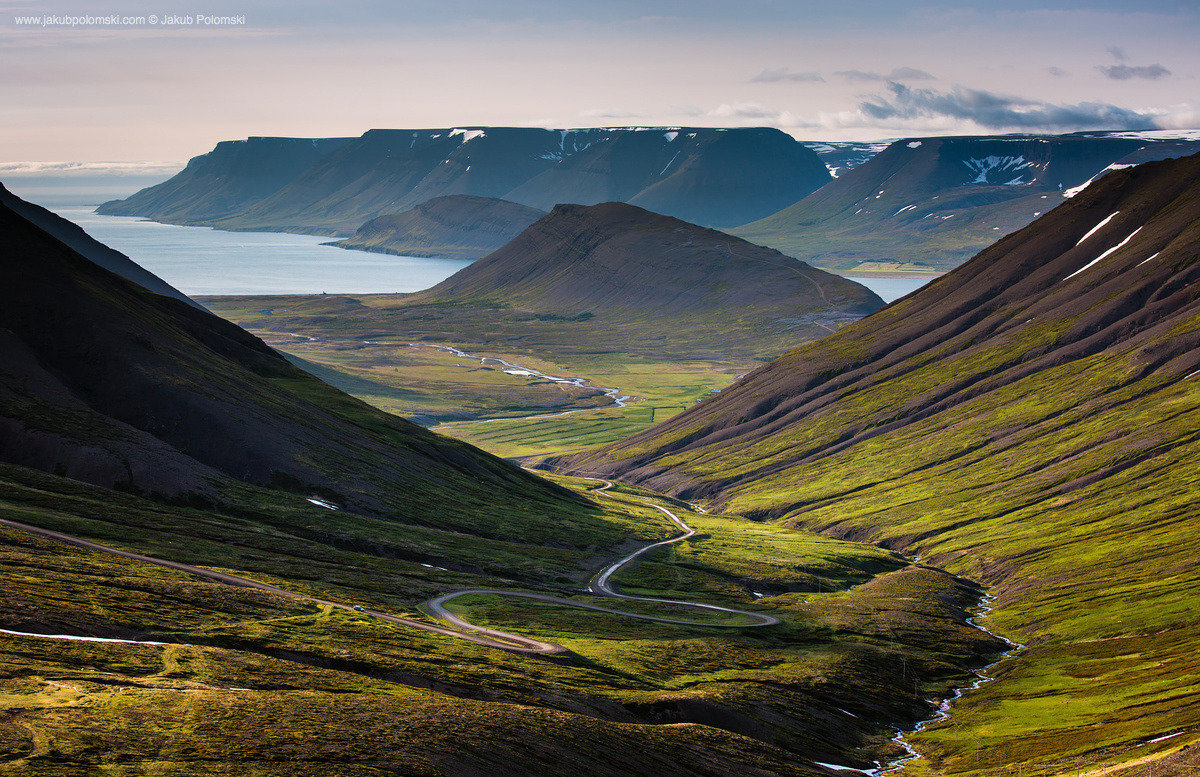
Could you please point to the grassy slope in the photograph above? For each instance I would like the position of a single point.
(433, 386)
(1041, 441)
(333, 692)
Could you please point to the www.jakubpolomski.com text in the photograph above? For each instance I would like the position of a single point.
(118, 20)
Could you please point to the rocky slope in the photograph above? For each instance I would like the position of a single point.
(457, 226)
(931, 203)
(1027, 419)
(718, 177)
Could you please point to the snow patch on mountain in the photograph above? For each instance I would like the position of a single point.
(1109, 252)
(467, 134)
(989, 167)
(1098, 227)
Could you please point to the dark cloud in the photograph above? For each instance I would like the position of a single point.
(1057, 72)
(997, 111)
(783, 74)
(899, 74)
(1124, 72)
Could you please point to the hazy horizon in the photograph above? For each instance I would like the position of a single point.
(160, 94)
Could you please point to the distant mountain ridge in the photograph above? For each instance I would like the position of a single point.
(930, 203)
(711, 176)
(457, 226)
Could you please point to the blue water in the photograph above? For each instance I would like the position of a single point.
(198, 260)
(890, 289)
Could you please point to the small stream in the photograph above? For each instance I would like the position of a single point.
(618, 399)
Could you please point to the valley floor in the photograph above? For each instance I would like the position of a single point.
(218, 678)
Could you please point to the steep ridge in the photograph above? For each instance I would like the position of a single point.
(229, 178)
(719, 177)
(107, 383)
(457, 226)
(77, 240)
(931, 203)
(626, 266)
(1027, 419)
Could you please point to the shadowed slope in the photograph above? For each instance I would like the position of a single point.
(78, 240)
(107, 383)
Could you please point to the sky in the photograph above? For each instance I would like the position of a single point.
(134, 96)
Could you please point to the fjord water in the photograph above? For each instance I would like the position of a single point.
(199, 260)
(891, 289)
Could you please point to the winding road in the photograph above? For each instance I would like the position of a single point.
(458, 626)
(601, 586)
(510, 642)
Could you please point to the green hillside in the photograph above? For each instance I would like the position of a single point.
(1027, 420)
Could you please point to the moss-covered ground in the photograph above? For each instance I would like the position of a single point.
(251, 682)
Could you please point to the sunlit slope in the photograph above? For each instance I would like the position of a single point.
(1029, 419)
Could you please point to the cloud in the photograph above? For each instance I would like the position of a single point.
(17, 169)
(996, 111)
(1057, 72)
(783, 74)
(1124, 72)
(899, 74)
(743, 111)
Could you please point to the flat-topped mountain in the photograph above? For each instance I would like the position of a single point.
(107, 383)
(457, 226)
(718, 177)
(1029, 420)
(231, 177)
(931, 203)
(616, 261)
